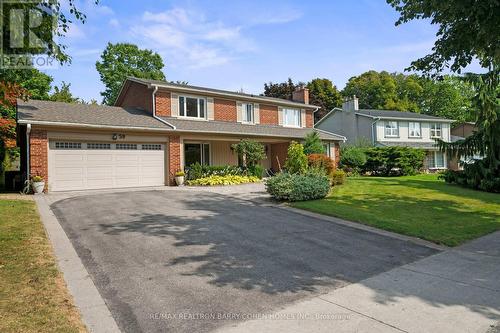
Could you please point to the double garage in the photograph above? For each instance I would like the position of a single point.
(82, 162)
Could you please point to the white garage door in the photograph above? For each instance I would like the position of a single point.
(97, 165)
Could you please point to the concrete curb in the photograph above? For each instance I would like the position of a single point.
(94, 311)
(364, 227)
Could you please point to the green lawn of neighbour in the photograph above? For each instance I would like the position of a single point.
(33, 296)
(420, 206)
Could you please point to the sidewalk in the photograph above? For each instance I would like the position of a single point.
(454, 291)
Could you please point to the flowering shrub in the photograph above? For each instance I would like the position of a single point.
(214, 180)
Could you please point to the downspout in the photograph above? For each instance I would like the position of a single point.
(373, 131)
(28, 167)
(154, 109)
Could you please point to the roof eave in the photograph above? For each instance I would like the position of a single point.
(401, 118)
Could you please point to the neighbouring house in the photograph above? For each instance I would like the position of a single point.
(155, 129)
(460, 132)
(387, 128)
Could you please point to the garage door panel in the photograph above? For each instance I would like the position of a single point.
(80, 169)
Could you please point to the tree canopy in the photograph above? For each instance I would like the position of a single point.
(280, 90)
(323, 93)
(122, 60)
(466, 29)
(63, 94)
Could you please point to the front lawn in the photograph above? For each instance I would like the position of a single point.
(420, 206)
(33, 296)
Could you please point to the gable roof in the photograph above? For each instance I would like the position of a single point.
(101, 116)
(387, 114)
(219, 92)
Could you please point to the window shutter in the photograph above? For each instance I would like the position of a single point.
(302, 118)
(174, 99)
(256, 113)
(238, 112)
(210, 108)
(280, 116)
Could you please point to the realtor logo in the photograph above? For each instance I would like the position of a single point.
(27, 28)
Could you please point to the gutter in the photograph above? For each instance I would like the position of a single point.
(28, 167)
(154, 109)
(373, 131)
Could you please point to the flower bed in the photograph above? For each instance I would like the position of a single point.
(215, 180)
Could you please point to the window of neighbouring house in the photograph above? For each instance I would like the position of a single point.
(291, 117)
(391, 129)
(414, 130)
(193, 107)
(196, 152)
(436, 130)
(436, 160)
(248, 114)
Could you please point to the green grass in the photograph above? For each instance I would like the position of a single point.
(420, 206)
(33, 296)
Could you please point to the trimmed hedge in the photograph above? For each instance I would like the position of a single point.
(394, 161)
(297, 187)
(215, 180)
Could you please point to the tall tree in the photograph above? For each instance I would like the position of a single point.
(280, 90)
(63, 94)
(122, 60)
(466, 30)
(324, 94)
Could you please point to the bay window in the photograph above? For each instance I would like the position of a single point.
(196, 153)
(391, 129)
(248, 112)
(192, 107)
(414, 130)
(291, 117)
(436, 130)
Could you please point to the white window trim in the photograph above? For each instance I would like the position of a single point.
(419, 129)
(435, 161)
(299, 113)
(185, 107)
(440, 130)
(397, 129)
(244, 113)
(202, 151)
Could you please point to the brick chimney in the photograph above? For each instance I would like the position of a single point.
(351, 104)
(301, 95)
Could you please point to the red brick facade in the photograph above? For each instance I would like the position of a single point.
(174, 157)
(268, 114)
(337, 154)
(309, 119)
(163, 104)
(136, 95)
(225, 110)
(39, 155)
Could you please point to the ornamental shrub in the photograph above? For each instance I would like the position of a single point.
(250, 152)
(296, 161)
(394, 161)
(223, 180)
(298, 187)
(313, 144)
(197, 170)
(352, 159)
(256, 171)
(321, 162)
(337, 177)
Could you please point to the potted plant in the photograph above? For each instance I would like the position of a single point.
(38, 184)
(179, 177)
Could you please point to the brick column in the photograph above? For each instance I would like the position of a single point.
(174, 157)
(337, 154)
(39, 155)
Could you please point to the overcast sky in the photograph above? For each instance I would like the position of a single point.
(237, 45)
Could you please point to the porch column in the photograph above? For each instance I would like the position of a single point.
(174, 157)
(39, 155)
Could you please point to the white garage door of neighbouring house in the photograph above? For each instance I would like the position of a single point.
(98, 165)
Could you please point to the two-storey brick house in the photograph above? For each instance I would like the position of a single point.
(155, 129)
(390, 128)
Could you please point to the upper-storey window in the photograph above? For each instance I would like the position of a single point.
(291, 117)
(391, 129)
(248, 112)
(436, 130)
(414, 130)
(193, 107)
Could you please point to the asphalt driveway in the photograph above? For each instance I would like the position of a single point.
(187, 261)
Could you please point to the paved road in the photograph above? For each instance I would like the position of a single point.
(164, 260)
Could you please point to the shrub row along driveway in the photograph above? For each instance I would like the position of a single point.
(157, 254)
